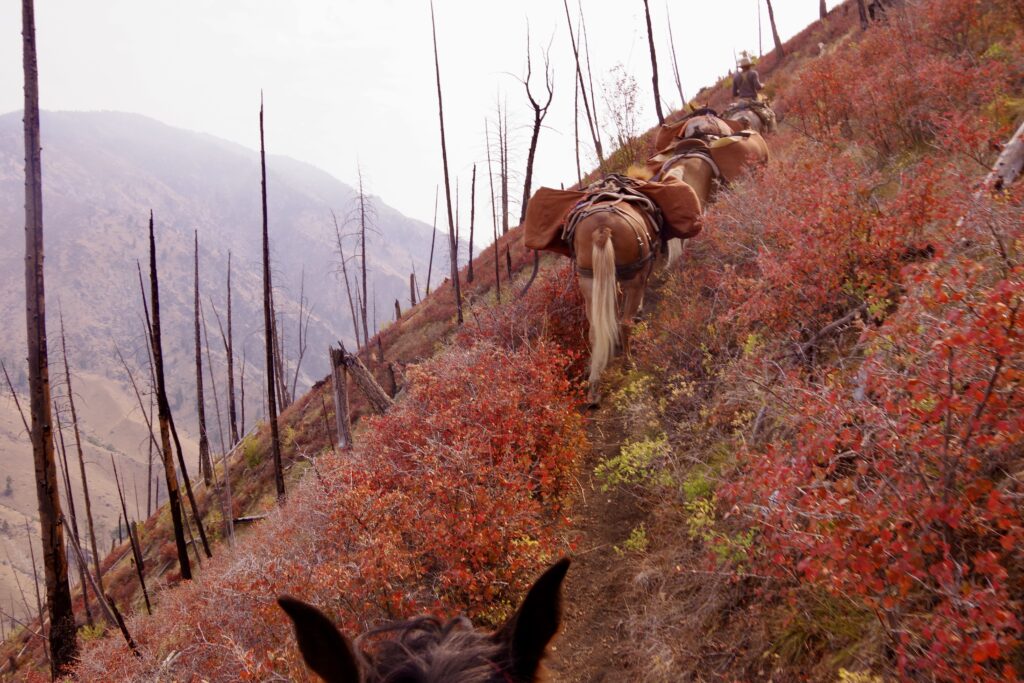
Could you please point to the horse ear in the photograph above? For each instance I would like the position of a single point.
(325, 650)
(527, 633)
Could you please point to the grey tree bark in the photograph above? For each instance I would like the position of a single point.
(163, 415)
(539, 112)
(63, 641)
(268, 326)
(205, 466)
(654, 65)
(775, 31)
(81, 457)
(452, 245)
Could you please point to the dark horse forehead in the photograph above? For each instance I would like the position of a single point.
(426, 650)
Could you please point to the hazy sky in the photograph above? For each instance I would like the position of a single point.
(349, 83)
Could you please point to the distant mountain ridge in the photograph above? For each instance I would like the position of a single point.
(102, 174)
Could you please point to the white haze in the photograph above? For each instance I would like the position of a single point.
(349, 83)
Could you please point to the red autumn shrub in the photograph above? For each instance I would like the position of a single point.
(890, 88)
(900, 488)
(452, 502)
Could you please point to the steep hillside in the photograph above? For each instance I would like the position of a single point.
(103, 172)
(809, 469)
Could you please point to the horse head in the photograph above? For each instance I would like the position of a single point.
(426, 650)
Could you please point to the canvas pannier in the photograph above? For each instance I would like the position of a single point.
(549, 209)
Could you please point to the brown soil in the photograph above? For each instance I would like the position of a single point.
(591, 647)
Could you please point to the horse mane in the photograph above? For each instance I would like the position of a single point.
(427, 650)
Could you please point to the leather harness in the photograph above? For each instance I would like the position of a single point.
(606, 198)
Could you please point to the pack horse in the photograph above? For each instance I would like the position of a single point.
(614, 229)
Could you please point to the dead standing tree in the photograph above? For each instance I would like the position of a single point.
(81, 456)
(591, 116)
(452, 245)
(163, 414)
(69, 498)
(339, 384)
(433, 238)
(63, 641)
(675, 61)
(775, 31)
(305, 315)
(472, 224)
(344, 273)
(229, 351)
(156, 364)
(494, 213)
(365, 214)
(539, 112)
(503, 163)
(654, 65)
(268, 326)
(205, 466)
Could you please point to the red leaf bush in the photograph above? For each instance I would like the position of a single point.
(452, 502)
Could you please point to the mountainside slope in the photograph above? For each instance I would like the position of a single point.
(819, 430)
(102, 173)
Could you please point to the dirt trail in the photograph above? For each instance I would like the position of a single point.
(590, 647)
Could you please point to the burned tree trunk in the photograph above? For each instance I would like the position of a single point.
(375, 394)
(164, 414)
(494, 214)
(362, 257)
(305, 314)
(136, 550)
(344, 273)
(433, 238)
(503, 164)
(268, 327)
(205, 466)
(229, 350)
(81, 457)
(472, 224)
(595, 134)
(63, 642)
(452, 245)
(775, 31)
(675, 61)
(654, 65)
(339, 383)
(822, 10)
(539, 112)
(69, 496)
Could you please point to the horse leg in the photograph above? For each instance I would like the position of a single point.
(633, 301)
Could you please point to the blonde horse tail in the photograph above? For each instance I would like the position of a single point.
(675, 250)
(604, 324)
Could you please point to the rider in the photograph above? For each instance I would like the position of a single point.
(746, 86)
(747, 82)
